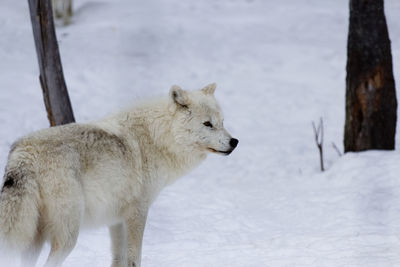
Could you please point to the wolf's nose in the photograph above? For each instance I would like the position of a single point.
(233, 142)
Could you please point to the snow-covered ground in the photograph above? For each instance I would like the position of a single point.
(279, 65)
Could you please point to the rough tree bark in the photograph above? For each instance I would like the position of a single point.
(56, 99)
(370, 90)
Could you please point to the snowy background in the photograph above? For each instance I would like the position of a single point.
(279, 65)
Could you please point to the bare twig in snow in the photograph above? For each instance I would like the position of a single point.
(337, 149)
(319, 140)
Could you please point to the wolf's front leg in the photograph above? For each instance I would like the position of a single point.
(118, 245)
(134, 236)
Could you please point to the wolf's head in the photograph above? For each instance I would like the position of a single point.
(198, 121)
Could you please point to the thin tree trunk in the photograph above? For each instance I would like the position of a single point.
(56, 99)
(370, 90)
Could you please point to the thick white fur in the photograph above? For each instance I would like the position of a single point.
(108, 172)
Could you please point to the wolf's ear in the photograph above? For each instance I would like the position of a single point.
(179, 96)
(209, 89)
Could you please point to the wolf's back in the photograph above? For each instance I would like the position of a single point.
(19, 201)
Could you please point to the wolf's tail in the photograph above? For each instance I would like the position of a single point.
(19, 213)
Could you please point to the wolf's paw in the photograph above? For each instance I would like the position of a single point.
(118, 264)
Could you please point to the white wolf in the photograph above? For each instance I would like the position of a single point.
(60, 179)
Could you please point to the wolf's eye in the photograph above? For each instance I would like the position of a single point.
(208, 124)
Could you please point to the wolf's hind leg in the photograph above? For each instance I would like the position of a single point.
(56, 8)
(31, 254)
(64, 211)
(66, 8)
(69, 8)
(62, 241)
(118, 245)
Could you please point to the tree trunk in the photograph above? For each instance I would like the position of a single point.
(56, 99)
(370, 90)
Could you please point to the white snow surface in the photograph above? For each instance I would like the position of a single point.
(279, 65)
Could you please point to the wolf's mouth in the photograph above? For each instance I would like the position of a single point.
(219, 151)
